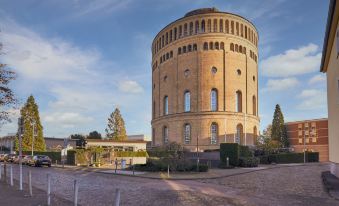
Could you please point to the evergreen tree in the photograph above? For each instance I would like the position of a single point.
(80, 140)
(31, 119)
(116, 126)
(94, 135)
(278, 127)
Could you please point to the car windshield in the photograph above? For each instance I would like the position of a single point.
(42, 157)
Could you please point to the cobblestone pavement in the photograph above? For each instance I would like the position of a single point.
(299, 185)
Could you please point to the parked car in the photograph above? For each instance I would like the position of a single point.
(17, 160)
(27, 159)
(41, 160)
(10, 158)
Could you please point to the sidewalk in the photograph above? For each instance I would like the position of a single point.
(14, 197)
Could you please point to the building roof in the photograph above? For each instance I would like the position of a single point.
(109, 140)
(332, 19)
(307, 120)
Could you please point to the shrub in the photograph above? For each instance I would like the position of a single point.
(312, 156)
(248, 161)
(244, 151)
(71, 157)
(230, 150)
(131, 154)
(284, 158)
(202, 168)
(224, 166)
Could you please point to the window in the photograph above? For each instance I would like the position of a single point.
(214, 100)
(165, 78)
(254, 103)
(203, 26)
(165, 135)
(184, 49)
(171, 54)
(175, 33)
(197, 27)
(314, 139)
(232, 47)
(166, 105)
(171, 35)
(300, 140)
(179, 50)
(189, 48)
(221, 25)
(216, 45)
(254, 78)
(205, 46)
(187, 133)
(222, 45)
(239, 72)
(214, 70)
(226, 25)
(166, 38)
(180, 32)
(191, 28)
(238, 102)
(195, 47)
(240, 49)
(236, 48)
(167, 56)
(245, 32)
(187, 72)
(237, 28)
(185, 29)
(215, 25)
(211, 45)
(209, 27)
(239, 135)
(214, 133)
(187, 102)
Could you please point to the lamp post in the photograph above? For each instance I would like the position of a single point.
(304, 145)
(33, 135)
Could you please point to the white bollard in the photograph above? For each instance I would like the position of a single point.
(11, 175)
(168, 171)
(30, 183)
(76, 188)
(227, 162)
(48, 189)
(117, 197)
(0, 170)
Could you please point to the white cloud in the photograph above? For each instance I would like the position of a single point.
(280, 84)
(130, 86)
(66, 119)
(292, 62)
(317, 79)
(99, 6)
(312, 99)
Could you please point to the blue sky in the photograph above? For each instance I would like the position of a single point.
(82, 58)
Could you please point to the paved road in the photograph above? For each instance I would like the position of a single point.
(299, 185)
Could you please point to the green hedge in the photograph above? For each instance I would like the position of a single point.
(130, 154)
(244, 151)
(230, 150)
(71, 157)
(284, 158)
(53, 155)
(248, 161)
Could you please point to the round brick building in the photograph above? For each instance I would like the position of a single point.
(205, 81)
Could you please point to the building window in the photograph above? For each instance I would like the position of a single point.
(197, 27)
(238, 102)
(214, 133)
(165, 78)
(195, 47)
(226, 27)
(186, 72)
(238, 72)
(222, 45)
(211, 45)
(187, 96)
(191, 28)
(300, 140)
(209, 27)
(254, 78)
(185, 29)
(232, 47)
(216, 45)
(175, 33)
(215, 25)
(179, 50)
(254, 103)
(165, 135)
(239, 136)
(184, 49)
(189, 48)
(214, 100)
(221, 25)
(166, 105)
(214, 70)
(203, 26)
(205, 46)
(187, 133)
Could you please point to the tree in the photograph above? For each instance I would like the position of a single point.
(32, 127)
(80, 140)
(116, 126)
(268, 131)
(278, 127)
(94, 135)
(7, 98)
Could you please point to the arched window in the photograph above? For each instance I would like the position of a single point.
(162, 41)
(189, 48)
(222, 45)
(240, 48)
(241, 30)
(216, 45)
(255, 134)
(179, 50)
(165, 134)
(221, 25)
(170, 39)
(167, 55)
(236, 48)
(161, 59)
(187, 133)
(185, 29)
(166, 38)
(191, 28)
(196, 27)
(238, 102)
(175, 33)
(226, 27)
(203, 26)
(211, 45)
(205, 46)
(184, 49)
(232, 27)
(215, 25)
(254, 103)
(187, 102)
(171, 54)
(180, 32)
(214, 100)
(214, 133)
(166, 105)
(245, 32)
(195, 47)
(209, 26)
(244, 50)
(232, 47)
(239, 137)
(237, 28)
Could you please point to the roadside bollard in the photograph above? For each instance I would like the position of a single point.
(227, 162)
(76, 188)
(48, 189)
(133, 169)
(0, 170)
(167, 171)
(117, 197)
(11, 171)
(56, 162)
(30, 183)
(5, 172)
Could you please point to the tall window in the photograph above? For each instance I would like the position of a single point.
(226, 26)
(254, 103)
(205, 46)
(187, 133)
(221, 25)
(197, 27)
(203, 26)
(214, 100)
(239, 137)
(214, 133)
(209, 26)
(191, 28)
(232, 47)
(238, 102)
(165, 134)
(215, 25)
(166, 105)
(187, 101)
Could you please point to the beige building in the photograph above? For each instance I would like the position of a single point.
(205, 81)
(330, 65)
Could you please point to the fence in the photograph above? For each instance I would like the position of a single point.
(7, 174)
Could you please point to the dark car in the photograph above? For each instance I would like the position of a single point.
(41, 160)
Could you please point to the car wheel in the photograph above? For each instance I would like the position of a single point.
(49, 165)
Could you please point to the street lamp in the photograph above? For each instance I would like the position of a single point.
(33, 135)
